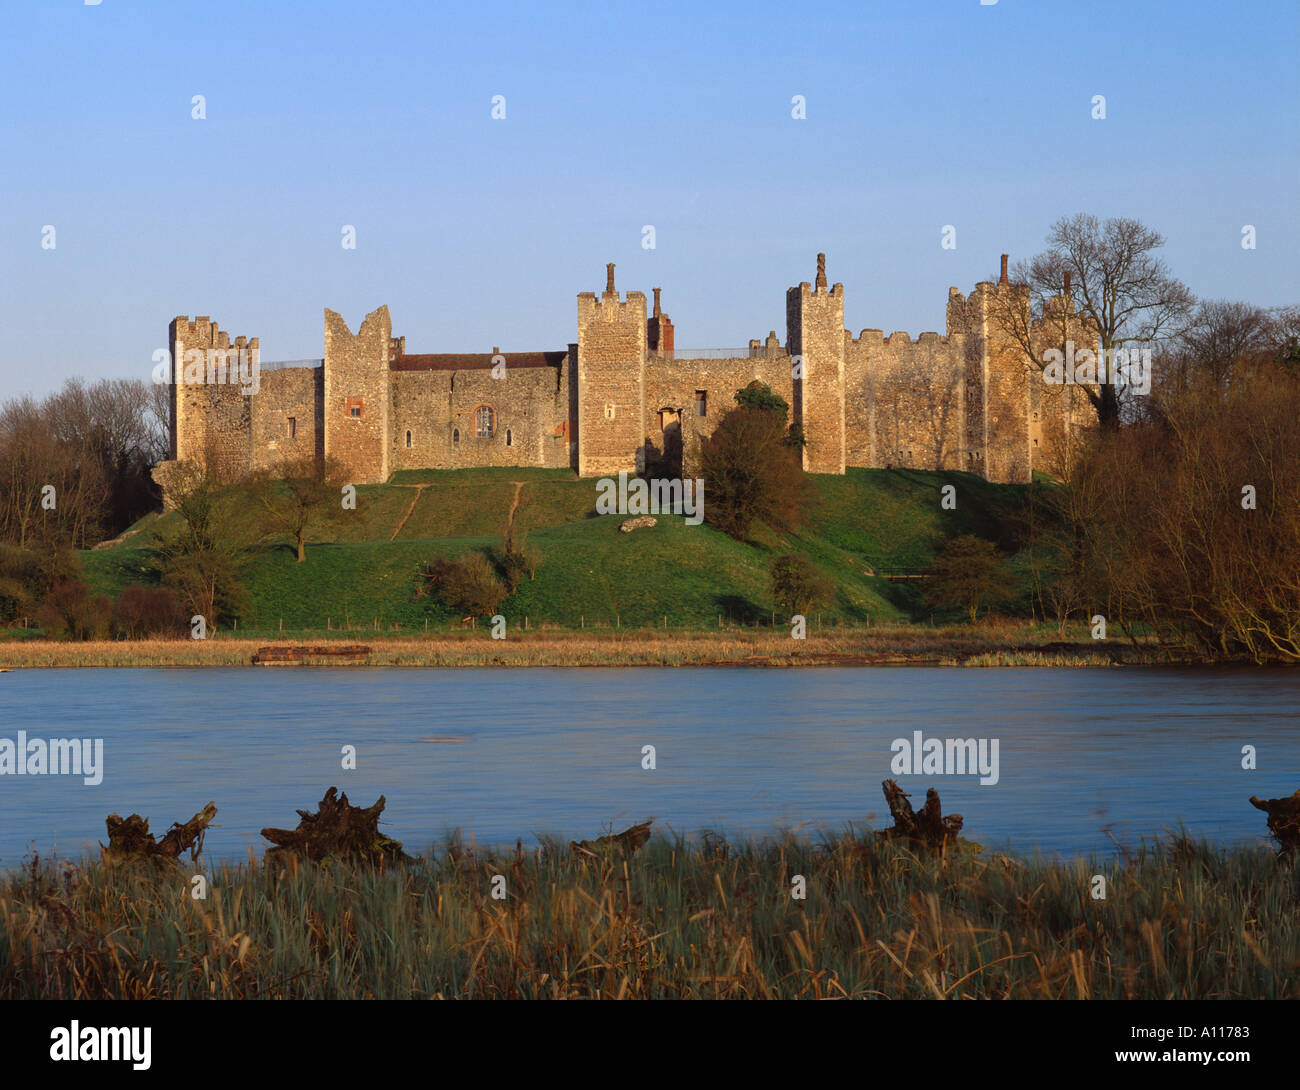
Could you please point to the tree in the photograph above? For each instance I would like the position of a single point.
(201, 551)
(752, 467)
(968, 573)
(797, 585)
(1121, 288)
(298, 497)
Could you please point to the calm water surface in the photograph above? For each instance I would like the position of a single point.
(1087, 756)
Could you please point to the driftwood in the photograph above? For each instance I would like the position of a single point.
(1283, 820)
(627, 842)
(337, 830)
(129, 838)
(929, 827)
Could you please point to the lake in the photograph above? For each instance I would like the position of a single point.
(1087, 757)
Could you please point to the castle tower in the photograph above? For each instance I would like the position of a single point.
(814, 322)
(356, 416)
(208, 406)
(998, 377)
(611, 380)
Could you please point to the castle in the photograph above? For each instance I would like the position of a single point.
(624, 398)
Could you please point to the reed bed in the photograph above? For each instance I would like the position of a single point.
(698, 919)
(957, 645)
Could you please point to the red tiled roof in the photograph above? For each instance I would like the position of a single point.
(478, 361)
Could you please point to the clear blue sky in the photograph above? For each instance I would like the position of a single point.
(478, 232)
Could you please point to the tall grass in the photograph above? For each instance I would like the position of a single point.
(603, 645)
(685, 920)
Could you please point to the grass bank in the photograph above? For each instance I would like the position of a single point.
(706, 919)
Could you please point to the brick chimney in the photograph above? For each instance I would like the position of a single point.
(609, 279)
(659, 331)
(1003, 278)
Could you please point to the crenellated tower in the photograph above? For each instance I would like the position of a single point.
(814, 323)
(612, 337)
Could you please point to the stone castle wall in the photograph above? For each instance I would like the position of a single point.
(967, 400)
(905, 400)
(435, 413)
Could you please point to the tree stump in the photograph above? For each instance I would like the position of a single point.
(628, 842)
(1283, 820)
(929, 827)
(129, 838)
(337, 830)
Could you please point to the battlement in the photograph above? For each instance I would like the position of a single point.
(203, 332)
(875, 338)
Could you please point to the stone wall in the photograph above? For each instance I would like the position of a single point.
(288, 394)
(904, 400)
(435, 411)
(673, 418)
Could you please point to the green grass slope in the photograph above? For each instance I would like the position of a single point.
(591, 572)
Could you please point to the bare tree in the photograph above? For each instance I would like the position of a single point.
(1110, 271)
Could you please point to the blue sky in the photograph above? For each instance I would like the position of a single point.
(478, 232)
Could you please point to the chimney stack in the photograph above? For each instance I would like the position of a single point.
(1067, 283)
(657, 291)
(609, 279)
(821, 272)
(1004, 269)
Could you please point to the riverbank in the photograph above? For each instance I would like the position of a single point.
(703, 919)
(991, 645)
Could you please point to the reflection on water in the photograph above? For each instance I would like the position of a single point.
(1086, 755)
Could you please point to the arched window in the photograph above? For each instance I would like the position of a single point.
(455, 437)
(408, 438)
(507, 436)
(484, 419)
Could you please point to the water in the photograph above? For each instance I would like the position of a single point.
(1087, 757)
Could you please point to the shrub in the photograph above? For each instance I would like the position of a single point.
(797, 585)
(148, 611)
(71, 612)
(469, 586)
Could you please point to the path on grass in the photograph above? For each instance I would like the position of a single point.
(418, 489)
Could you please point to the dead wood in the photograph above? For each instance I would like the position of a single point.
(337, 830)
(1283, 820)
(628, 842)
(129, 838)
(929, 827)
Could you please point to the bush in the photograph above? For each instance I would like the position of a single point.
(469, 586)
(516, 562)
(71, 612)
(797, 585)
(148, 611)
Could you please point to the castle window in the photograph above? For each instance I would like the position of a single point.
(354, 407)
(408, 438)
(483, 421)
(507, 436)
(293, 427)
(701, 402)
(455, 437)
(609, 411)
